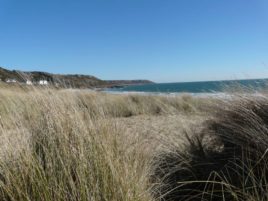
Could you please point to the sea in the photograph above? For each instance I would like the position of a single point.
(203, 87)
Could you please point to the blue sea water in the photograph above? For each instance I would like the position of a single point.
(197, 87)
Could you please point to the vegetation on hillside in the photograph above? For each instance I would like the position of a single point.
(65, 81)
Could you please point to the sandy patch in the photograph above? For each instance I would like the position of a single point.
(159, 132)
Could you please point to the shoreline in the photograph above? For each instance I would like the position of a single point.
(215, 95)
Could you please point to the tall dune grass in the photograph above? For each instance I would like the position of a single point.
(63, 145)
(226, 160)
(55, 150)
(56, 146)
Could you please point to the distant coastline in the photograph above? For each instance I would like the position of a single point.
(64, 81)
(77, 81)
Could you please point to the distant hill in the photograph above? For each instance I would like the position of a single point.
(60, 80)
(121, 83)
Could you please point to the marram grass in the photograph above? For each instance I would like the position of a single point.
(62, 154)
(63, 145)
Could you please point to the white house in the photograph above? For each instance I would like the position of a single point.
(29, 82)
(43, 82)
(11, 81)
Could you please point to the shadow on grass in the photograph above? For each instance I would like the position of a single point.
(227, 160)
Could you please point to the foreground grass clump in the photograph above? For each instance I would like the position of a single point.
(226, 160)
(55, 149)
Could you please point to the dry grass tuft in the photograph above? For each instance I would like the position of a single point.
(226, 160)
(55, 149)
(63, 145)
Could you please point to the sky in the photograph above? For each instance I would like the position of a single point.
(159, 40)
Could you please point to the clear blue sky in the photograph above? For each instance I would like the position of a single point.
(160, 40)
